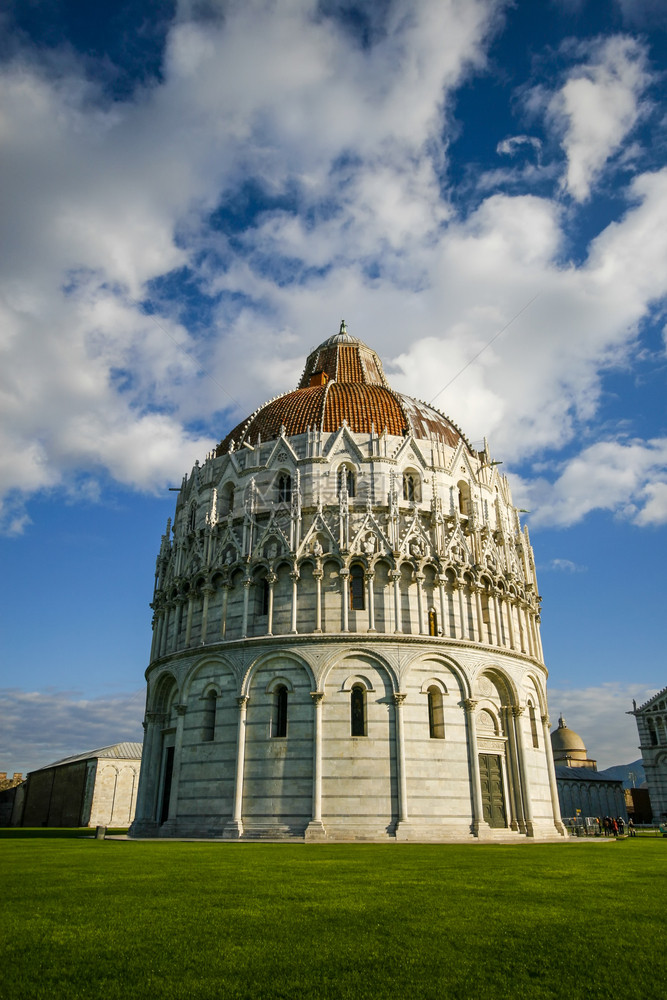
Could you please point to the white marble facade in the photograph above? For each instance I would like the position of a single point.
(346, 638)
(651, 718)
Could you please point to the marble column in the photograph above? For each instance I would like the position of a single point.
(208, 593)
(478, 809)
(156, 631)
(223, 611)
(553, 785)
(271, 579)
(444, 615)
(345, 599)
(510, 621)
(399, 698)
(395, 575)
(462, 616)
(295, 579)
(517, 805)
(234, 828)
(529, 637)
(180, 601)
(496, 614)
(315, 829)
(540, 652)
(480, 616)
(419, 579)
(517, 712)
(188, 621)
(146, 808)
(370, 597)
(317, 576)
(247, 584)
(172, 819)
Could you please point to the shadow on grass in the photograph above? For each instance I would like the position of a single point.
(51, 832)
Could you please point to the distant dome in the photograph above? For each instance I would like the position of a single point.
(343, 380)
(566, 740)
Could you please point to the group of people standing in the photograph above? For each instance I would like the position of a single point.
(611, 827)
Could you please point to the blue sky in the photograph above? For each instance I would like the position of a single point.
(194, 194)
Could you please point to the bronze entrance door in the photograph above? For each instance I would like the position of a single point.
(493, 795)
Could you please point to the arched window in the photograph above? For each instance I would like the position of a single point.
(192, 523)
(284, 488)
(436, 715)
(208, 728)
(408, 486)
(533, 724)
(226, 501)
(346, 478)
(262, 603)
(358, 711)
(280, 711)
(432, 622)
(357, 591)
(464, 497)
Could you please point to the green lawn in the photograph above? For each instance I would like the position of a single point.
(108, 919)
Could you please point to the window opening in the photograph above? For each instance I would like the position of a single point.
(193, 517)
(208, 729)
(464, 497)
(357, 593)
(227, 499)
(358, 710)
(284, 488)
(436, 717)
(346, 476)
(263, 602)
(280, 712)
(533, 724)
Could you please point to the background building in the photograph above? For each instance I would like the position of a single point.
(346, 632)
(8, 796)
(651, 720)
(98, 788)
(582, 791)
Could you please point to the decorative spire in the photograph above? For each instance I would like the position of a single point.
(343, 328)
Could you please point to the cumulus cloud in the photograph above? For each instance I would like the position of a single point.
(42, 727)
(100, 199)
(344, 148)
(628, 478)
(598, 715)
(597, 107)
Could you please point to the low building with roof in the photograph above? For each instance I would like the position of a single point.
(97, 788)
(582, 791)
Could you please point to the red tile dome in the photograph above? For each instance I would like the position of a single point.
(343, 380)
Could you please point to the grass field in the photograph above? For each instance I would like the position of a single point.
(105, 919)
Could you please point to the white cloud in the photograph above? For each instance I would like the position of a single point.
(101, 199)
(41, 727)
(98, 199)
(598, 715)
(513, 143)
(628, 478)
(598, 106)
(566, 566)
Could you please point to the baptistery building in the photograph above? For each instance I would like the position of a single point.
(346, 630)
